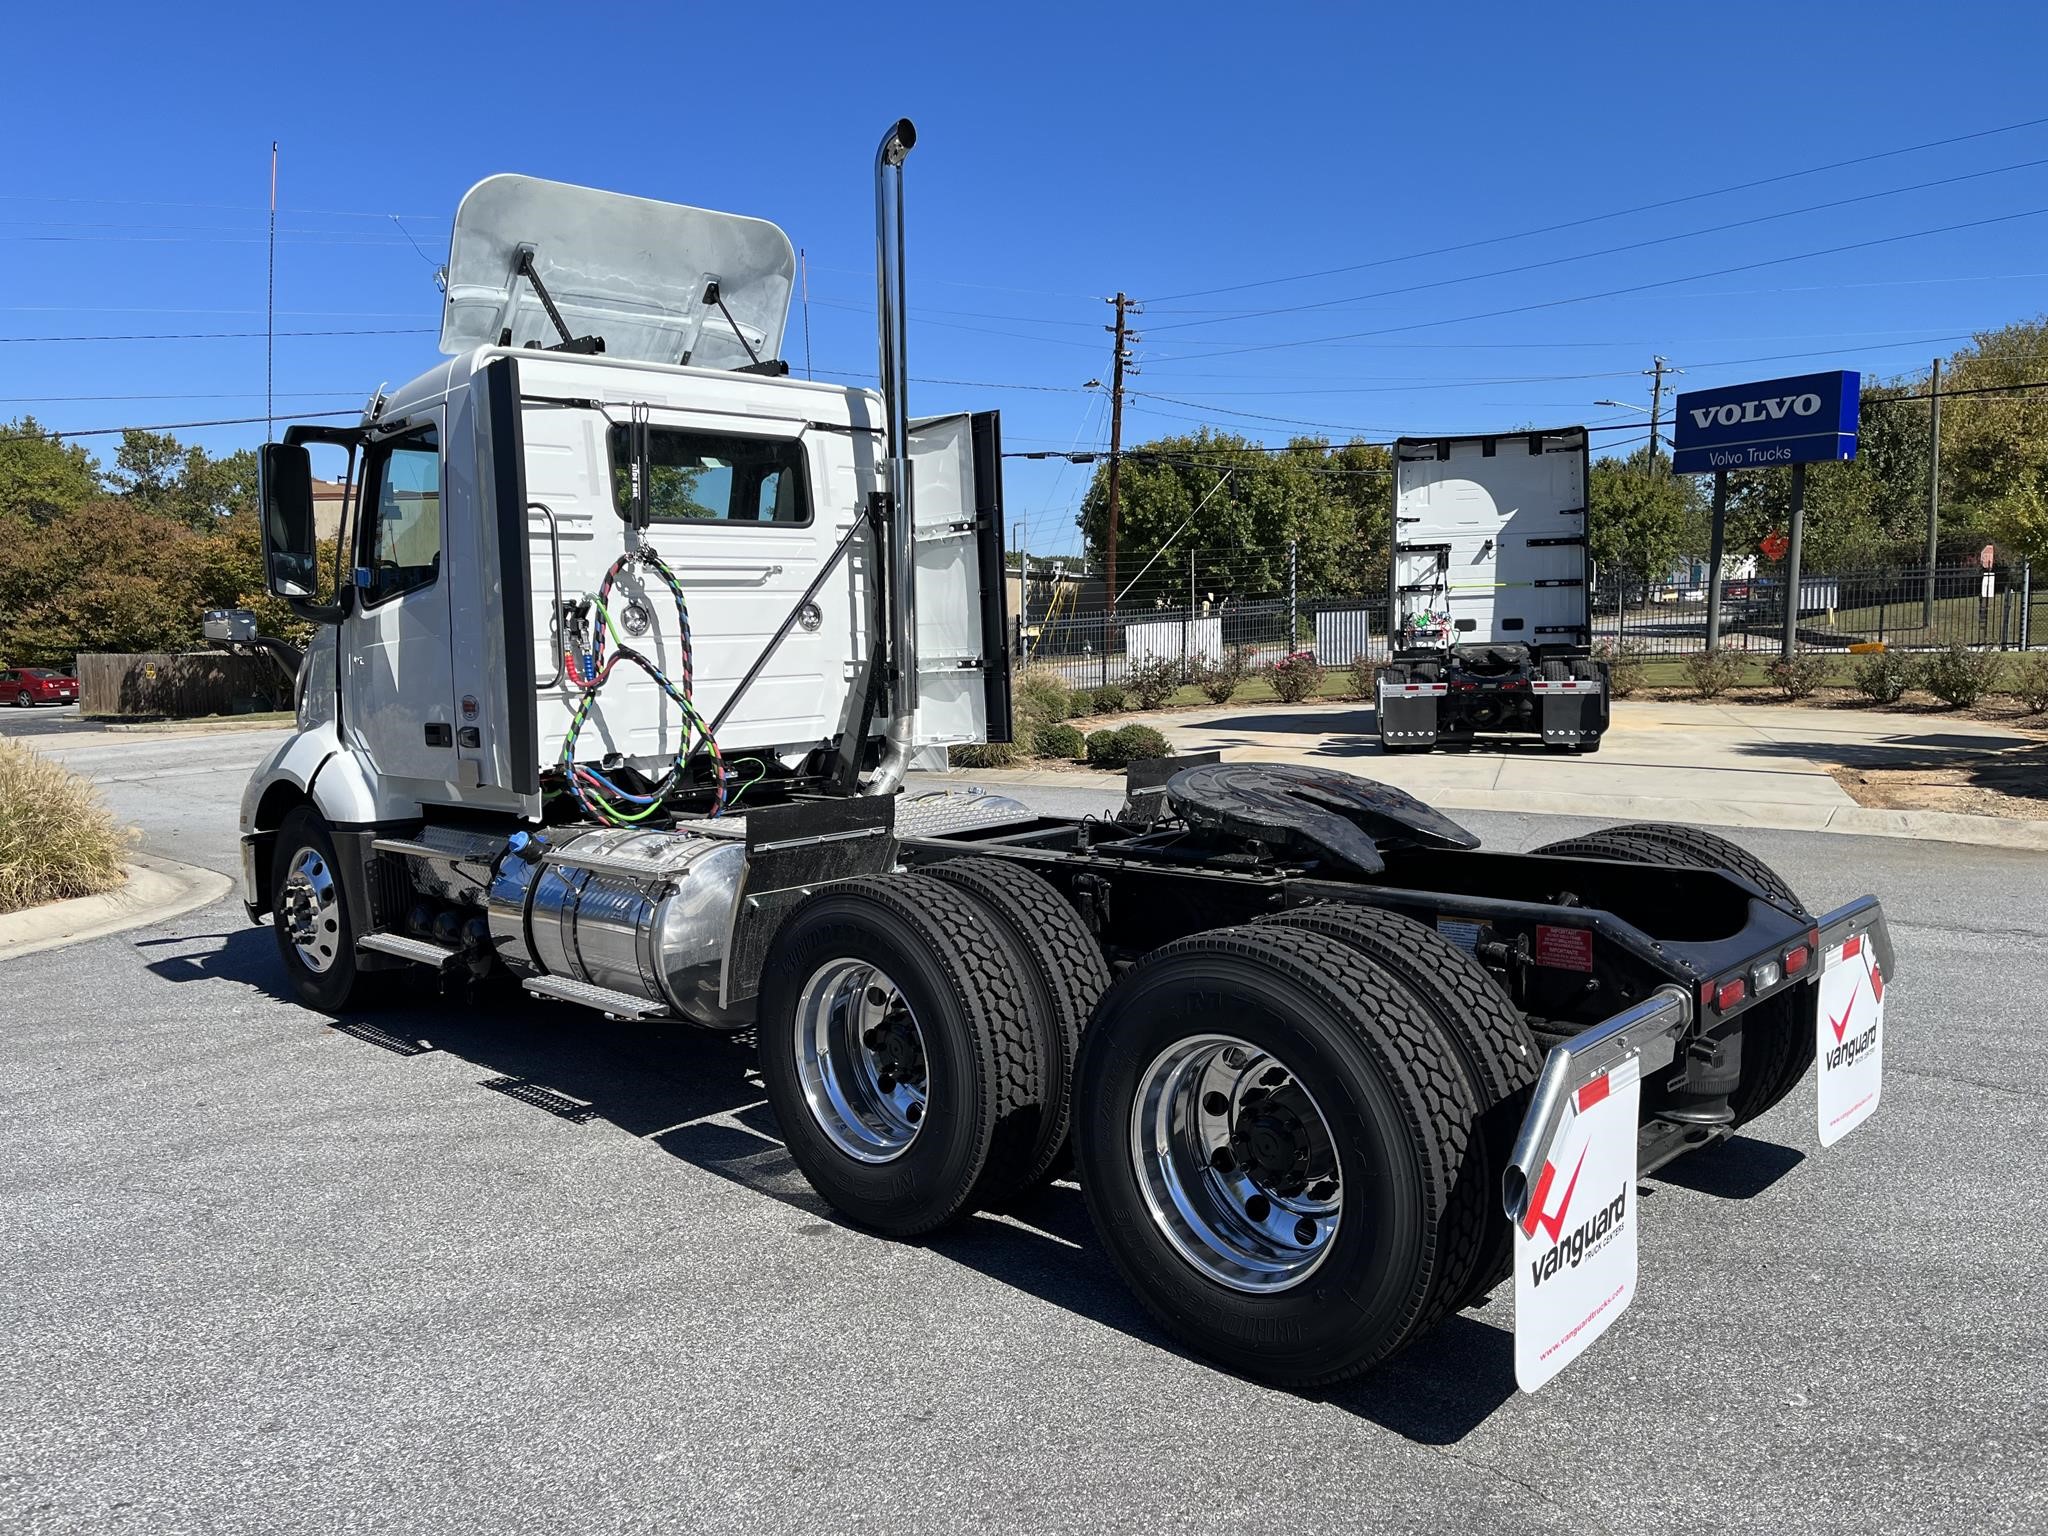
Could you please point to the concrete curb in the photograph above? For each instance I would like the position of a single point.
(1855, 820)
(157, 890)
(272, 722)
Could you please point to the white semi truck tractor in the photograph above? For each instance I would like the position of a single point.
(1489, 603)
(631, 641)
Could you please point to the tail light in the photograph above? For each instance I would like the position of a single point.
(1731, 993)
(1796, 958)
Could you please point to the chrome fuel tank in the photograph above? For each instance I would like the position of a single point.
(641, 912)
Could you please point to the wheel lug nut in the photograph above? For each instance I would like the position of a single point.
(1304, 1231)
(1258, 1207)
(1216, 1103)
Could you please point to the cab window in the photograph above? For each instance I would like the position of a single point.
(400, 539)
(714, 477)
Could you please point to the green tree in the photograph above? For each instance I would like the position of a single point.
(157, 473)
(41, 475)
(1994, 447)
(1641, 518)
(1271, 501)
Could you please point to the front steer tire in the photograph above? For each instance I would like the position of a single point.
(975, 1056)
(310, 915)
(1382, 1082)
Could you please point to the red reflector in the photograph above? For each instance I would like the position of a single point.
(1706, 994)
(1795, 959)
(1731, 993)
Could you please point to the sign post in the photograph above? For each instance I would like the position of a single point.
(1795, 422)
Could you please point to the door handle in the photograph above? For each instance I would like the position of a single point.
(440, 734)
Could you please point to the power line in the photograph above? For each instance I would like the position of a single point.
(218, 335)
(1612, 250)
(1610, 293)
(1620, 213)
(162, 426)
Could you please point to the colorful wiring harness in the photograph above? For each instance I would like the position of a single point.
(590, 669)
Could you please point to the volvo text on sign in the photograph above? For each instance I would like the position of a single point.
(1807, 420)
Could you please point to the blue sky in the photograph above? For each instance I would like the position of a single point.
(1178, 152)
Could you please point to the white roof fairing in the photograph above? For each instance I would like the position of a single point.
(628, 269)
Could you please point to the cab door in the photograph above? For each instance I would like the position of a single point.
(398, 676)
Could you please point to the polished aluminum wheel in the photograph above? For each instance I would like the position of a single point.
(860, 1060)
(309, 908)
(1236, 1162)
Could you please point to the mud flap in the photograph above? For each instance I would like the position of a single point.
(1408, 713)
(1575, 1245)
(1849, 1029)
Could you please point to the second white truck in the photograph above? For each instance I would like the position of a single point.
(1489, 598)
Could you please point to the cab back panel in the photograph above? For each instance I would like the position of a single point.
(1490, 531)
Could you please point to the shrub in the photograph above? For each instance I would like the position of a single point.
(1712, 673)
(1959, 676)
(1042, 698)
(1798, 677)
(56, 839)
(1297, 676)
(1061, 741)
(2030, 680)
(1884, 676)
(1110, 699)
(1121, 748)
(1221, 678)
(985, 754)
(1152, 683)
(1624, 660)
(1364, 672)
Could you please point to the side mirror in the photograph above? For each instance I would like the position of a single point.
(291, 550)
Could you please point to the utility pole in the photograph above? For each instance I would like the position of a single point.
(1023, 586)
(1124, 306)
(1655, 373)
(1933, 489)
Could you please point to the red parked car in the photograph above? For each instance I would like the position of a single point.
(23, 686)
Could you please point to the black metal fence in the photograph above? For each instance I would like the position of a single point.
(2000, 609)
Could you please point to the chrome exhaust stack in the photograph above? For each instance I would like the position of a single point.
(900, 563)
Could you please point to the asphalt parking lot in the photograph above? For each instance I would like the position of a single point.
(517, 1268)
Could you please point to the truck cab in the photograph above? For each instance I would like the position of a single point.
(1489, 601)
(611, 465)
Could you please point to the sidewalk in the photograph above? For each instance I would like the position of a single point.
(1708, 764)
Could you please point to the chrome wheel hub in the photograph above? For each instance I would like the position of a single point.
(309, 910)
(860, 1059)
(1236, 1163)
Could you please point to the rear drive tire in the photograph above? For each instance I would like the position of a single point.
(1499, 1057)
(1064, 967)
(898, 1052)
(1777, 1036)
(1233, 1087)
(309, 913)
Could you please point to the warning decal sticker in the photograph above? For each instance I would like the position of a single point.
(1564, 949)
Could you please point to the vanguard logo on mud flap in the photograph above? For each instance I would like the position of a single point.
(1575, 1246)
(1585, 1241)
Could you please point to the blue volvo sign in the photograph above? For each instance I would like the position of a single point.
(1807, 420)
